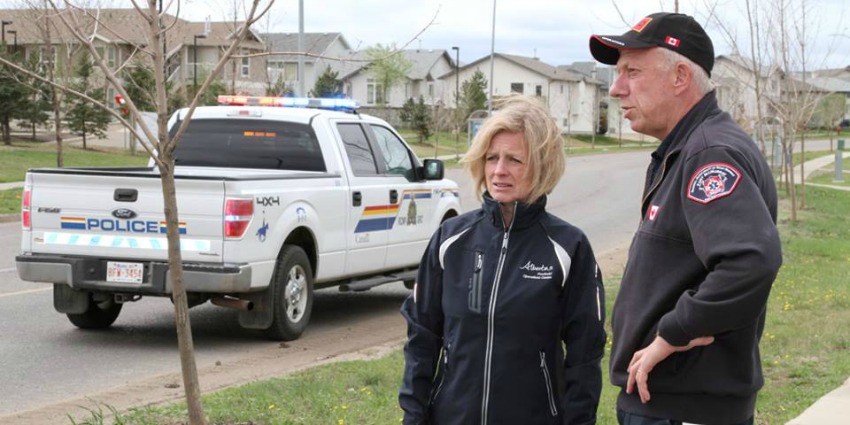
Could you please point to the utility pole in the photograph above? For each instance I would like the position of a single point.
(457, 101)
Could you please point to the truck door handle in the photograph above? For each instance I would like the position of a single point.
(356, 199)
(393, 196)
(126, 195)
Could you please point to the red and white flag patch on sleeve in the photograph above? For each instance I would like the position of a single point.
(713, 181)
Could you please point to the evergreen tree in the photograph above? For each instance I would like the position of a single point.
(81, 116)
(472, 96)
(417, 118)
(327, 85)
(34, 108)
(13, 95)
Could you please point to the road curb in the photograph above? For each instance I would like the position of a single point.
(9, 218)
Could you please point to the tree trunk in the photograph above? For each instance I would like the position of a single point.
(181, 305)
(803, 170)
(7, 132)
(33, 131)
(84, 139)
(57, 128)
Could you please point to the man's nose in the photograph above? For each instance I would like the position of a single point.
(618, 87)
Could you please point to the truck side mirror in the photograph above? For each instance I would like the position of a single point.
(433, 169)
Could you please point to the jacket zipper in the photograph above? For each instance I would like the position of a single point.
(443, 374)
(475, 285)
(654, 186)
(553, 409)
(488, 355)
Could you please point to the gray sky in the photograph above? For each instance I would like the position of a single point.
(556, 31)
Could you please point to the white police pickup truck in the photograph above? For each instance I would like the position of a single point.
(273, 202)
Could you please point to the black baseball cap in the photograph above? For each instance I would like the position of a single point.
(675, 31)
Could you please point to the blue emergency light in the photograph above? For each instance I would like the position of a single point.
(333, 104)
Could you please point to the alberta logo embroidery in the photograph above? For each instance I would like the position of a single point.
(533, 271)
(713, 181)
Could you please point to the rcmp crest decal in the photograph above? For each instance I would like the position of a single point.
(713, 181)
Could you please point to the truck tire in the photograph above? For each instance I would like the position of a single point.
(292, 295)
(99, 315)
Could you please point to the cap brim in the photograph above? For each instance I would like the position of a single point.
(606, 48)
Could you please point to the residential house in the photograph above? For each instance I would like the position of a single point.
(422, 79)
(119, 36)
(322, 50)
(573, 98)
(834, 81)
(735, 83)
(616, 125)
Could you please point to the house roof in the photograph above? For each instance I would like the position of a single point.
(421, 63)
(121, 26)
(314, 43)
(746, 63)
(831, 84)
(538, 66)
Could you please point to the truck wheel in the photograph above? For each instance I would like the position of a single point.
(99, 315)
(292, 296)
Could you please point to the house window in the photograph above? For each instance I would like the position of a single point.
(562, 89)
(246, 67)
(374, 92)
(516, 88)
(538, 90)
(111, 57)
(431, 90)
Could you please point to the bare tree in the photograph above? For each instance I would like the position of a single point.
(73, 19)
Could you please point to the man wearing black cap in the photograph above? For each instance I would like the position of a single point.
(691, 306)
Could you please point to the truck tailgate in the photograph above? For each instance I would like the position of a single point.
(82, 212)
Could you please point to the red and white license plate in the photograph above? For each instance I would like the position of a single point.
(124, 272)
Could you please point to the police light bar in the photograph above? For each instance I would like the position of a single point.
(290, 102)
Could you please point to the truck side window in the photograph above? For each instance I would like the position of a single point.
(395, 153)
(358, 150)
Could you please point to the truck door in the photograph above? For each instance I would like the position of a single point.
(370, 212)
(414, 199)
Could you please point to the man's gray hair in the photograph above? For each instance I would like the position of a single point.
(701, 79)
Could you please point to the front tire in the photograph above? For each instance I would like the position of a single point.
(292, 296)
(99, 315)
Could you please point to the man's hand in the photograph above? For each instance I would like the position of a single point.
(645, 360)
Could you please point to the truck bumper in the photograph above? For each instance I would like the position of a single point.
(90, 273)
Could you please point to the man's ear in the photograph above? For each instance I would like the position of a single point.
(683, 77)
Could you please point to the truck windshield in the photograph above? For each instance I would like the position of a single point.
(264, 144)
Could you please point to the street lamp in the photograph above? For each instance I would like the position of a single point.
(15, 33)
(3, 32)
(457, 100)
(195, 62)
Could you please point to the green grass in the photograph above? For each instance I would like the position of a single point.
(15, 160)
(805, 348)
(10, 201)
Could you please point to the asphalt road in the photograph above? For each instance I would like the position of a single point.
(45, 360)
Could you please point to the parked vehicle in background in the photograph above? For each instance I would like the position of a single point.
(276, 197)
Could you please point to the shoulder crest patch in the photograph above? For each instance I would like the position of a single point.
(713, 181)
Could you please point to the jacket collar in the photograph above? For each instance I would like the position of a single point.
(525, 215)
(673, 142)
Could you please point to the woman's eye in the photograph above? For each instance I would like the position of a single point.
(491, 158)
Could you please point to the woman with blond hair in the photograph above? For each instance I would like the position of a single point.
(505, 324)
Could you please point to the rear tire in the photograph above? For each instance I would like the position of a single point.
(292, 296)
(100, 315)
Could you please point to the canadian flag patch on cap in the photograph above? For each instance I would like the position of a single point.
(672, 41)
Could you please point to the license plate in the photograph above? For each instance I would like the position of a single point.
(124, 272)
